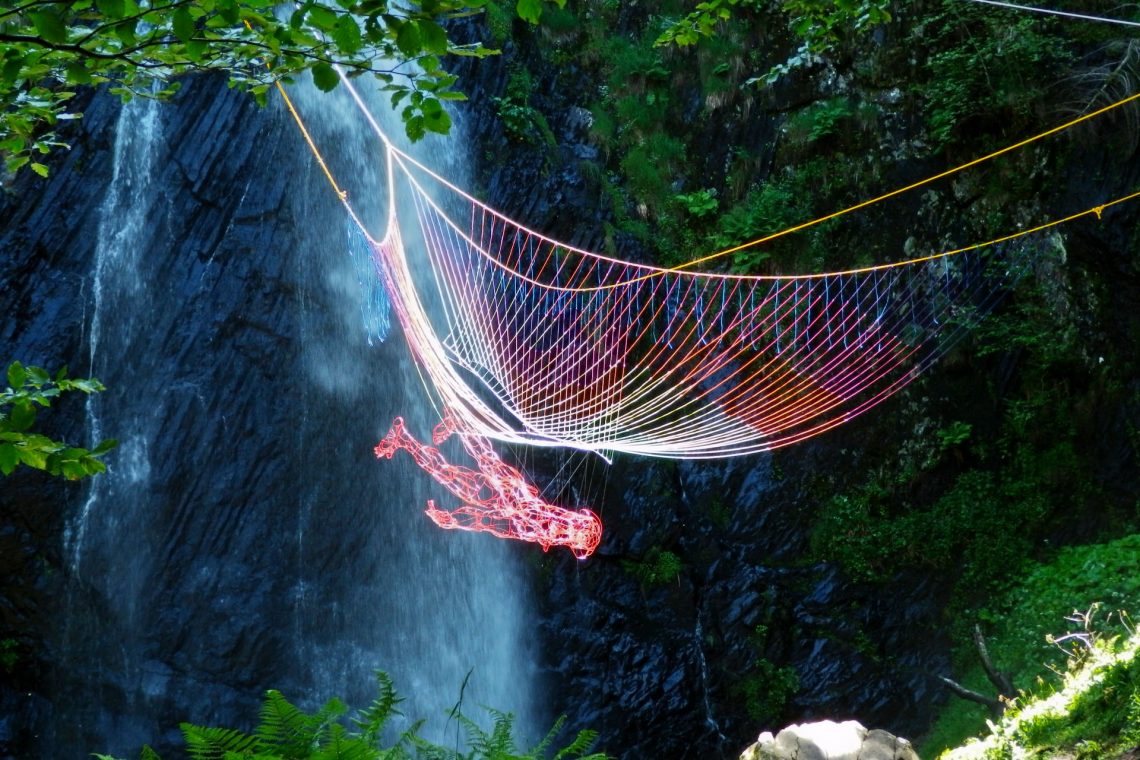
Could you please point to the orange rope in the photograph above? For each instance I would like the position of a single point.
(920, 183)
(1098, 210)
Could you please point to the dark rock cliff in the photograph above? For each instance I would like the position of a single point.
(666, 669)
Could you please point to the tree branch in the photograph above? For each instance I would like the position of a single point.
(26, 6)
(112, 24)
(995, 705)
(997, 678)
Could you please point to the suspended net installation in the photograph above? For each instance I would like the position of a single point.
(526, 340)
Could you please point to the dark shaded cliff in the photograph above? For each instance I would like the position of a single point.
(256, 543)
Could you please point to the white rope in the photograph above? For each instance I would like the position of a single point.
(1051, 12)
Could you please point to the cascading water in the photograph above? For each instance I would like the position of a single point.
(431, 608)
(245, 537)
(116, 284)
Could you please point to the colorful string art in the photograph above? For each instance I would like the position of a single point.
(526, 340)
(498, 499)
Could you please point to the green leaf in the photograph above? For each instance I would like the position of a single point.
(195, 49)
(33, 457)
(9, 458)
(12, 68)
(183, 24)
(440, 123)
(529, 10)
(228, 10)
(23, 415)
(72, 470)
(15, 163)
(39, 169)
(347, 35)
(104, 447)
(111, 8)
(323, 18)
(49, 26)
(126, 32)
(17, 375)
(408, 39)
(77, 72)
(325, 77)
(433, 36)
(414, 127)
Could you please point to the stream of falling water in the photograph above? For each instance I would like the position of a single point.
(115, 283)
(443, 604)
(244, 536)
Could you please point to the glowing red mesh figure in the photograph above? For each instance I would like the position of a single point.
(498, 498)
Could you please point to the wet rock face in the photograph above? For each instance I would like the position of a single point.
(198, 220)
(667, 663)
(206, 509)
(683, 667)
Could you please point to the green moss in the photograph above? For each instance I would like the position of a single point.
(764, 691)
(1024, 625)
(499, 22)
(659, 567)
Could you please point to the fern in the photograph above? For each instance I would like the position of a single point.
(540, 749)
(500, 743)
(288, 733)
(204, 743)
(341, 746)
(577, 748)
(371, 720)
(580, 746)
(284, 728)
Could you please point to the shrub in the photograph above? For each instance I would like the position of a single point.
(286, 732)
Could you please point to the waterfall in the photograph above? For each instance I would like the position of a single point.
(115, 282)
(244, 536)
(434, 606)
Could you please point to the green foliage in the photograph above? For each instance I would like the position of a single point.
(286, 732)
(9, 654)
(649, 168)
(821, 120)
(765, 690)
(778, 204)
(700, 204)
(30, 388)
(819, 25)
(954, 434)
(987, 70)
(868, 533)
(138, 47)
(1095, 712)
(1054, 614)
(499, 23)
(659, 567)
(522, 121)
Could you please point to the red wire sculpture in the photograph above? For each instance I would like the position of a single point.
(498, 499)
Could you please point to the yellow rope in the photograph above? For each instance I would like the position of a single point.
(1098, 210)
(920, 183)
(343, 195)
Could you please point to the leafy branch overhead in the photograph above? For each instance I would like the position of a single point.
(28, 389)
(139, 47)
